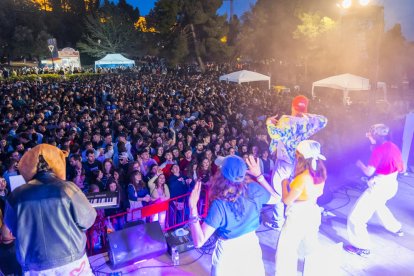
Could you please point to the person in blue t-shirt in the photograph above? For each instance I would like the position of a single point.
(234, 215)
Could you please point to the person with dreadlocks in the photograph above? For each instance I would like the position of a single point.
(49, 216)
(234, 212)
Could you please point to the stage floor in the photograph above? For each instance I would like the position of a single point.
(390, 255)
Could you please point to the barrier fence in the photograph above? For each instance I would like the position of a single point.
(172, 213)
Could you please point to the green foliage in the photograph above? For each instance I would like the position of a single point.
(190, 30)
(48, 77)
(111, 31)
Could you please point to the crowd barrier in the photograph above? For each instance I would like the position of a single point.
(175, 211)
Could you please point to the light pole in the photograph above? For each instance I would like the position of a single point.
(51, 48)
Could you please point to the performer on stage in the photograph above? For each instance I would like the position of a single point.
(286, 133)
(383, 167)
(49, 216)
(303, 215)
(234, 215)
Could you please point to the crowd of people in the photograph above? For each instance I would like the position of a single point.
(152, 134)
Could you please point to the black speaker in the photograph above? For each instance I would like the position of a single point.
(136, 243)
(180, 238)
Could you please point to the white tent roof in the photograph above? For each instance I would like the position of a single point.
(344, 82)
(111, 60)
(244, 76)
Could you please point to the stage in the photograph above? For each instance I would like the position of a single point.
(391, 255)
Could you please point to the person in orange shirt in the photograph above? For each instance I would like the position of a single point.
(303, 216)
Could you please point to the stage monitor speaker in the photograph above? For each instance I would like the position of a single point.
(180, 238)
(137, 243)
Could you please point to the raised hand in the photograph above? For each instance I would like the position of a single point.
(272, 120)
(254, 167)
(194, 196)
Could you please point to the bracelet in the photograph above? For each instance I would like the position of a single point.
(194, 219)
(259, 175)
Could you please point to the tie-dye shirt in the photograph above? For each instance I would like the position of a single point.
(290, 131)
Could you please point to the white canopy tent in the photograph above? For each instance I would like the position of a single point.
(244, 76)
(113, 61)
(345, 82)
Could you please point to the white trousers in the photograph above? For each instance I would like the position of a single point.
(373, 200)
(283, 170)
(241, 256)
(301, 228)
(79, 267)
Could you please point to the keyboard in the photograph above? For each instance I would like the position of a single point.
(103, 200)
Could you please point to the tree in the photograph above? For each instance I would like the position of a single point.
(110, 31)
(266, 36)
(22, 28)
(394, 56)
(193, 24)
(315, 36)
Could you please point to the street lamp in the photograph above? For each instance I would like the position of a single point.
(51, 48)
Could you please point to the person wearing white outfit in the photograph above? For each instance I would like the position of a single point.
(303, 216)
(234, 215)
(384, 165)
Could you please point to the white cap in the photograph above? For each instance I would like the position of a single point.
(311, 149)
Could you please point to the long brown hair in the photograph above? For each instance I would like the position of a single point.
(137, 185)
(319, 175)
(232, 192)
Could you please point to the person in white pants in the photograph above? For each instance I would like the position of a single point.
(303, 216)
(384, 165)
(286, 133)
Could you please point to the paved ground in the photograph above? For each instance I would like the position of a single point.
(390, 255)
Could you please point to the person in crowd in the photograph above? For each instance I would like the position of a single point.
(11, 165)
(234, 215)
(159, 192)
(117, 221)
(76, 172)
(168, 163)
(53, 238)
(286, 133)
(4, 192)
(108, 172)
(90, 165)
(159, 156)
(179, 185)
(96, 179)
(138, 195)
(185, 163)
(382, 169)
(268, 164)
(146, 162)
(303, 215)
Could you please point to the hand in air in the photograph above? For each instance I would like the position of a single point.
(254, 167)
(272, 120)
(194, 196)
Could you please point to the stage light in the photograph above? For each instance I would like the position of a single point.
(363, 2)
(346, 4)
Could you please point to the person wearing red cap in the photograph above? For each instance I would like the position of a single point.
(286, 133)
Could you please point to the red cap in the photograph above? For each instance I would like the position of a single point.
(300, 103)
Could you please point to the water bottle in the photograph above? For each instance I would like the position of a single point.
(175, 256)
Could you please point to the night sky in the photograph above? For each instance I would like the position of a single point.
(396, 11)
